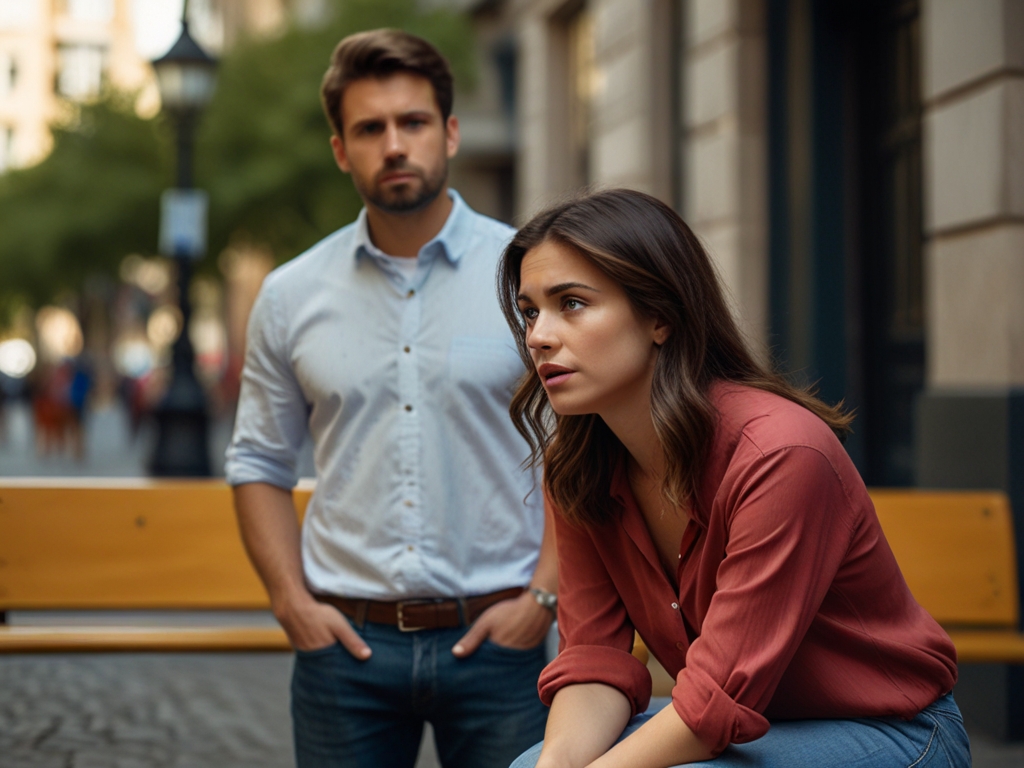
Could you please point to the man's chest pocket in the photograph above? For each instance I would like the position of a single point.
(484, 363)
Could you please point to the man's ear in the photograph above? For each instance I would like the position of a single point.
(340, 156)
(452, 136)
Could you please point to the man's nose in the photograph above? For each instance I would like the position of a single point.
(394, 145)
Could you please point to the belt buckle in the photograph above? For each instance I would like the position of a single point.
(399, 608)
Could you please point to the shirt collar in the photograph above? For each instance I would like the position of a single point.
(451, 241)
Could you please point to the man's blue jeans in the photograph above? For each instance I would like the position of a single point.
(369, 714)
(934, 739)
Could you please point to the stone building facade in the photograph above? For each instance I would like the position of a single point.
(856, 170)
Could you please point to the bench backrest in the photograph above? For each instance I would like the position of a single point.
(122, 545)
(956, 551)
(106, 544)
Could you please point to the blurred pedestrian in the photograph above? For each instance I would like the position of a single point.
(50, 407)
(78, 391)
(386, 342)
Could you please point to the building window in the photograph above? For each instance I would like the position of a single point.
(80, 73)
(89, 10)
(8, 75)
(17, 13)
(6, 147)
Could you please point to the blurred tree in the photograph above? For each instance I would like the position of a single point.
(92, 201)
(262, 153)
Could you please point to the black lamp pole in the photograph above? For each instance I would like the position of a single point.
(186, 76)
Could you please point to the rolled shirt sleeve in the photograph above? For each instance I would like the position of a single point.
(595, 633)
(271, 422)
(788, 532)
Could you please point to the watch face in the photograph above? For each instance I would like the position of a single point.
(547, 599)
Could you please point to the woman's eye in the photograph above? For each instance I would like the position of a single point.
(529, 313)
(572, 304)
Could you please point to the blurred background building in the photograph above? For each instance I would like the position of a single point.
(855, 168)
(57, 50)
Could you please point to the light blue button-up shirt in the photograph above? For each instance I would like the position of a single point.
(403, 380)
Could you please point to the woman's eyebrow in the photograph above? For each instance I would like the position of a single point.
(562, 287)
(554, 290)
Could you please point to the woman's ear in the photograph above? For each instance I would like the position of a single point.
(661, 332)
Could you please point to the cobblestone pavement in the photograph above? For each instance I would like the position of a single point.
(148, 711)
(182, 711)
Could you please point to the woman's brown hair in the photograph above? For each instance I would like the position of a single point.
(653, 255)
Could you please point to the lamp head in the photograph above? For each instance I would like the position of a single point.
(186, 75)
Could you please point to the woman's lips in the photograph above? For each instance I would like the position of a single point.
(558, 378)
(552, 374)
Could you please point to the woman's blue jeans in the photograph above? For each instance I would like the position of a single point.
(370, 714)
(934, 739)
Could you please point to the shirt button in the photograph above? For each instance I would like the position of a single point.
(408, 407)
(411, 548)
(675, 606)
(681, 646)
(411, 293)
(408, 503)
(407, 350)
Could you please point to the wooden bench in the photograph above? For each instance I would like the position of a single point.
(957, 552)
(110, 545)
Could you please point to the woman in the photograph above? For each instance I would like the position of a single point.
(706, 503)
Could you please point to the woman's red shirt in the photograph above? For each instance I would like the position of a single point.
(787, 602)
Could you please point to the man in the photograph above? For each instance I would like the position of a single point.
(404, 598)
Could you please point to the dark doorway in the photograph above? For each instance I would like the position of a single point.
(845, 213)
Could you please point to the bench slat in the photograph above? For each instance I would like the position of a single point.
(154, 545)
(163, 639)
(986, 646)
(956, 551)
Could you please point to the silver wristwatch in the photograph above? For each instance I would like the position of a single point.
(544, 598)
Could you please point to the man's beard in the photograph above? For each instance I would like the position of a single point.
(404, 198)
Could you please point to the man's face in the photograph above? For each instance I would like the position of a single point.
(395, 144)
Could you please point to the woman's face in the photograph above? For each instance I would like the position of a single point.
(594, 353)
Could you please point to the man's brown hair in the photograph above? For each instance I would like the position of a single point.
(380, 53)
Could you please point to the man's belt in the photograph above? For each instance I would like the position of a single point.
(411, 615)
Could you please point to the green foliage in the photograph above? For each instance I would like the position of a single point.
(263, 150)
(87, 205)
(262, 153)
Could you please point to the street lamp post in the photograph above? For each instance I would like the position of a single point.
(186, 77)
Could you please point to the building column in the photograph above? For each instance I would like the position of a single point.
(970, 420)
(636, 96)
(725, 196)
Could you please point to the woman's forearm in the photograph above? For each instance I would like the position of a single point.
(584, 721)
(664, 740)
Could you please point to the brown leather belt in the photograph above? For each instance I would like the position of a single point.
(411, 615)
